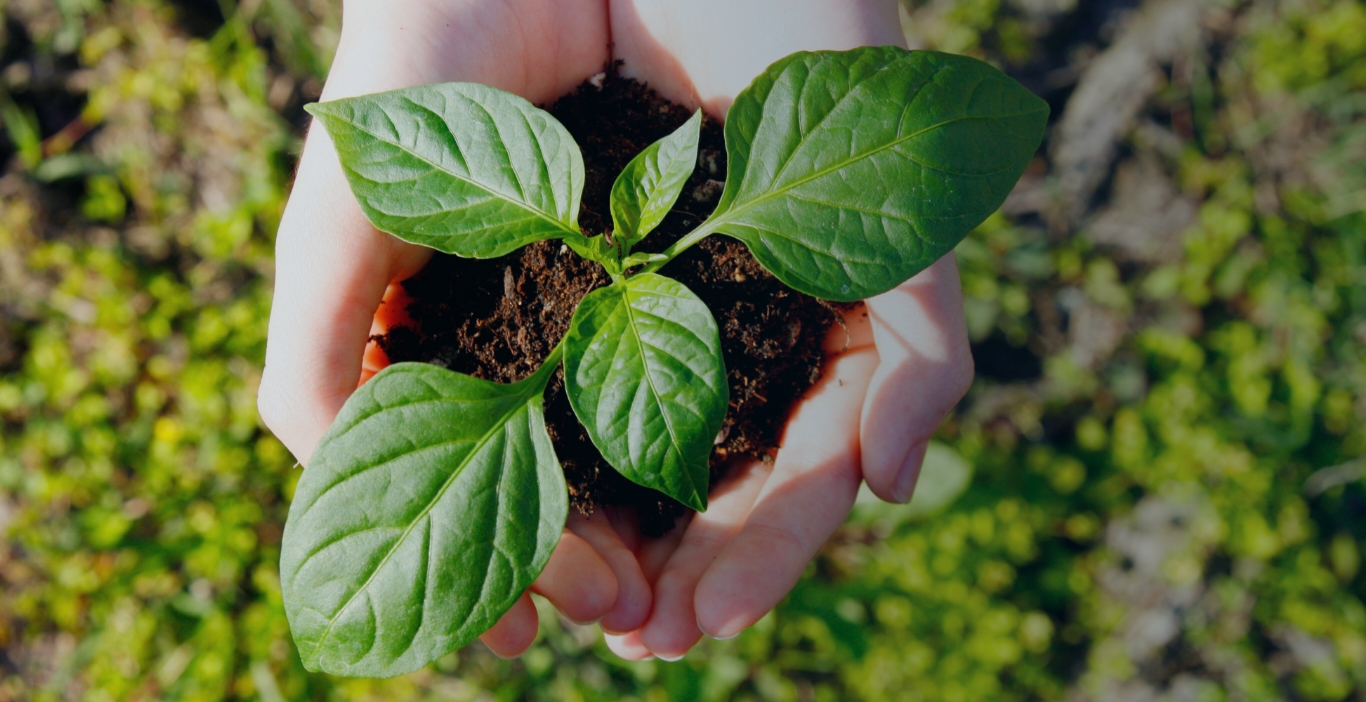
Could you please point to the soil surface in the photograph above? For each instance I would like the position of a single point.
(498, 319)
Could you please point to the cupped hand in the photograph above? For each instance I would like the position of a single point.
(332, 267)
(898, 371)
(892, 378)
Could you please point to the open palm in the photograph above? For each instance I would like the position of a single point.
(901, 368)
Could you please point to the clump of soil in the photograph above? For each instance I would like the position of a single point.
(498, 319)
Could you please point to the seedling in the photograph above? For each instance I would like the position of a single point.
(435, 499)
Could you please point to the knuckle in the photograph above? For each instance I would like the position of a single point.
(960, 377)
(709, 541)
(954, 386)
(780, 539)
(675, 579)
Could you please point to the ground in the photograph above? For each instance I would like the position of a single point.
(1165, 434)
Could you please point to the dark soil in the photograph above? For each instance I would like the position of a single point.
(498, 319)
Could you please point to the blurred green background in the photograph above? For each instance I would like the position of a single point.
(1165, 438)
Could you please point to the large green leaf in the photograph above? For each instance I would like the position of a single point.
(650, 184)
(431, 504)
(460, 167)
(643, 370)
(849, 172)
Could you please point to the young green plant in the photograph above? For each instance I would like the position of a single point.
(435, 499)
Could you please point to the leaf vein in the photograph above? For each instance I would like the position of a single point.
(500, 195)
(493, 431)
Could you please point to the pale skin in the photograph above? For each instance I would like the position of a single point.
(891, 380)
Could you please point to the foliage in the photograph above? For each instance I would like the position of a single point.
(1173, 508)
(810, 196)
(643, 370)
(438, 504)
(848, 173)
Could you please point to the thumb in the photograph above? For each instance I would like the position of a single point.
(924, 369)
(331, 270)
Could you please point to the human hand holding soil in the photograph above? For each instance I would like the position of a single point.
(904, 367)
(899, 371)
(332, 266)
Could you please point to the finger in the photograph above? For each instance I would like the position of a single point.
(672, 628)
(626, 522)
(331, 269)
(392, 312)
(577, 581)
(814, 481)
(628, 646)
(853, 333)
(653, 553)
(633, 600)
(539, 55)
(925, 368)
(515, 631)
(685, 53)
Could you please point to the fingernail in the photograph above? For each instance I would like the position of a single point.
(727, 637)
(512, 657)
(904, 486)
(670, 659)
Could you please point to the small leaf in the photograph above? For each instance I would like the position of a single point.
(650, 184)
(460, 167)
(641, 258)
(430, 505)
(597, 249)
(849, 172)
(644, 374)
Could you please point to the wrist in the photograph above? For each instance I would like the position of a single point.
(538, 49)
(705, 51)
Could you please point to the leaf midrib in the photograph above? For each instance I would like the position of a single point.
(657, 194)
(820, 122)
(653, 196)
(503, 421)
(659, 400)
(499, 195)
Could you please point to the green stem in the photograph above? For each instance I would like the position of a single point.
(541, 377)
(687, 242)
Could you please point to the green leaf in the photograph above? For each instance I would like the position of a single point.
(430, 505)
(596, 248)
(644, 374)
(850, 172)
(650, 184)
(460, 167)
(641, 258)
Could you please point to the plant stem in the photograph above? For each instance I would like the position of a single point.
(541, 377)
(687, 242)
